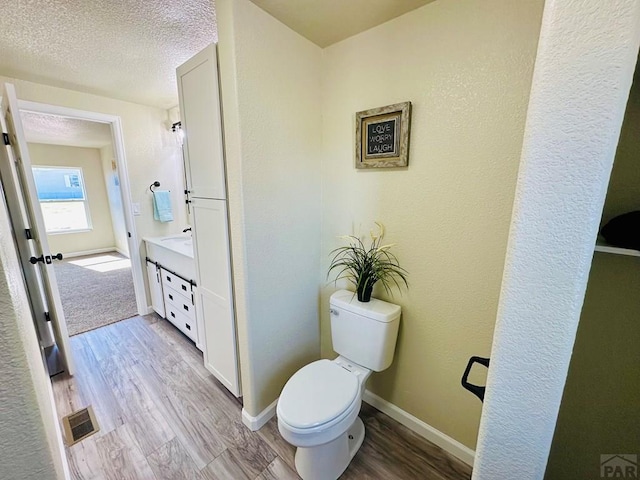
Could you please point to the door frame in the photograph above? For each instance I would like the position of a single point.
(117, 139)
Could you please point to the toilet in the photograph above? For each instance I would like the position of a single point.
(319, 405)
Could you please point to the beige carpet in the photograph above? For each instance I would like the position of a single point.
(96, 290)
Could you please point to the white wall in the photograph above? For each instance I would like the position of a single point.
(584, 66)
(151, 149)
(31, 442)
(270, 81)
(605, 420)
(449, 211)
(88, 159)
(114, 196)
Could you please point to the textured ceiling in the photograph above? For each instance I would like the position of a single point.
(52, 129)
(127, 49)
(325, 22)
(130, 49)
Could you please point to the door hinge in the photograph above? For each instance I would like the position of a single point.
(47, 317)
(5, 138)
(27, 232)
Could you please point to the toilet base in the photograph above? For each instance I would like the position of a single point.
(329, 461)
(355, 436)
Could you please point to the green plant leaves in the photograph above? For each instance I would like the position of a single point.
(364, 266)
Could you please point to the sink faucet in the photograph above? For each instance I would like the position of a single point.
(188, 229)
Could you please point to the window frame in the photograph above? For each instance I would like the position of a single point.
(84, 200)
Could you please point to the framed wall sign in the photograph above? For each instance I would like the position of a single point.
(382, 136)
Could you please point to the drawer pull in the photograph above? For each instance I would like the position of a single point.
(185, 307)
(188, 326)
(170, 297)
(184, 287)
(168, 278)
(173, 314)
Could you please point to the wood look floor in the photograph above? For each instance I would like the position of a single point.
(163, 416)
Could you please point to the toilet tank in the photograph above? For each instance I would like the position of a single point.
(365, 333)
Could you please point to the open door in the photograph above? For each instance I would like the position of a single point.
(26, 250)
(28, 224)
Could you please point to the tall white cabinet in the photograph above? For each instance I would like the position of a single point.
(206, 189)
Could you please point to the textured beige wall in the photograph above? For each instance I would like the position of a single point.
(270, 80)
(466, 67)
(88, 159)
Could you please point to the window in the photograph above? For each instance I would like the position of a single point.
(62, 198)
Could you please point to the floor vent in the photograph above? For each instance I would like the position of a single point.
(79, 425)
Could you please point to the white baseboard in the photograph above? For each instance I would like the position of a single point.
(256, 423)
(423, 429)
(122, 252)
(90, 252)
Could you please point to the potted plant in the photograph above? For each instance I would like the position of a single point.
(364, 266)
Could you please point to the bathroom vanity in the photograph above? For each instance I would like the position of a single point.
(171, 271)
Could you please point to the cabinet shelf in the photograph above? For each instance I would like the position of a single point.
(604, 247)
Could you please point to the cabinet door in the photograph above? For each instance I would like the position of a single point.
(155, 287)
(202, 125)
(214, 307)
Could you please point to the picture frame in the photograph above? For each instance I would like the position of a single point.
(382, 136)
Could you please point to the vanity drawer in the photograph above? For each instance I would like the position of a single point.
(185, 324)
(177, 283)
(181, 303)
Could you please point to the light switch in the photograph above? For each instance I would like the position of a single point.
(136, 208)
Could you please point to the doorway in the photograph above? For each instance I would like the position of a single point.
(78, 188)
(99, 282)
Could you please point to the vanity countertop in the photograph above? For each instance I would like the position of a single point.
(173, 253)
(182, 244)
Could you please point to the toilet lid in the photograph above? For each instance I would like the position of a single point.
(316, 394)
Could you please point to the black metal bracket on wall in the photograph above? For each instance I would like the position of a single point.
(477, 390)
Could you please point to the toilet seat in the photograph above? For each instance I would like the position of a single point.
(317, 396)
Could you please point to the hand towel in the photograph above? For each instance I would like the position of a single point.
(162, 206)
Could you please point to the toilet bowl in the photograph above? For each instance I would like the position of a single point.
(318, 413)
(319, 405)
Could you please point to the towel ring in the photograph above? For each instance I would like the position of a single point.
(154, 184)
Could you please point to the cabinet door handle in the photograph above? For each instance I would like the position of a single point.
(185, 307)
(188, 326)
(168, 278)
(170, 297)
(184, 287)
(173, 314)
